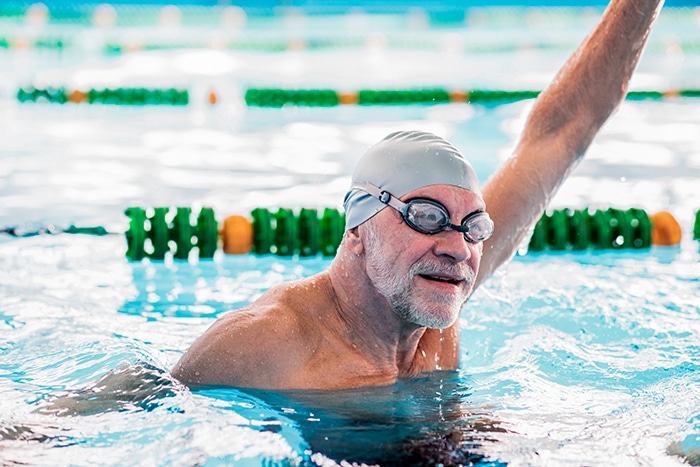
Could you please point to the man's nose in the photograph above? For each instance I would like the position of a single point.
(452, 244)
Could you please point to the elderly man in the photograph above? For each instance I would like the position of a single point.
(420, 237)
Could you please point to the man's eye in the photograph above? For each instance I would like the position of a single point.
(431, 216)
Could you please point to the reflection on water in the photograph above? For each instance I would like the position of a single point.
(128, 387)
(424, 421)
(209, 288)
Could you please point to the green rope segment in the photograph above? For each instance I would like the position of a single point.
(696, 227)
(390, 97)
(24, 231)
(277, 97)
(283, 232)
(286, 233)
(40, 43)
(255, 97)
(117, 96)
(568, 229)
(159, 233)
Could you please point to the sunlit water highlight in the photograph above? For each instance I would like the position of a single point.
(567, 359)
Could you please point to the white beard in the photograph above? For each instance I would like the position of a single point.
(435, 311)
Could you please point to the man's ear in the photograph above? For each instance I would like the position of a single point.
(353, 241)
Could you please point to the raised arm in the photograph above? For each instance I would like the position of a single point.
(563, 122)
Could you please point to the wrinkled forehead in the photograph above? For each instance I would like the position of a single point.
(457, 200)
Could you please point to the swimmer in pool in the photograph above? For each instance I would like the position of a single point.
(421, 235)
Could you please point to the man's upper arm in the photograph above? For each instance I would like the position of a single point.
(563, 122)
(517, 195)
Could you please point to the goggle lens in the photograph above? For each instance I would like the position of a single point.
(479, 227)
(429, 217)
(426, 217)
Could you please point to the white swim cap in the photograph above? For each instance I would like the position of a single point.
(400, 163)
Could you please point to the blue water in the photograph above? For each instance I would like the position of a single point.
(568, 359)
(593, 361)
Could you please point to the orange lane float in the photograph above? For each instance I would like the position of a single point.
(237, 235)
(666, 230)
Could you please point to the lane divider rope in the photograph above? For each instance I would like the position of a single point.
(307, 233)
(155, 233)
(276, 97)
(118, 96)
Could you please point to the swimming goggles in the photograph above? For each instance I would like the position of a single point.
(430, 217)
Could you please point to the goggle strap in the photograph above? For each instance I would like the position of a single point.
(383, 196)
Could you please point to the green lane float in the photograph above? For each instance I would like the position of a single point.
(207, 233)
(255, 97)
(332, 230)
(155, 235)
(136, 235)
(263, 233)
(285, 233)
(568, 229)
(117, 96)
(696, 227)
(309, 232)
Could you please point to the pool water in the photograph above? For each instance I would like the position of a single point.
(573, 358)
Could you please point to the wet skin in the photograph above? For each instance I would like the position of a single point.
(337, 329)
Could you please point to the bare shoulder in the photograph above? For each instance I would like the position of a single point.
(262, 345)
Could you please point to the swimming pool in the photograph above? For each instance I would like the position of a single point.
(575, 358)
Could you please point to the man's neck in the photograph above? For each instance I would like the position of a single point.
(368, 321)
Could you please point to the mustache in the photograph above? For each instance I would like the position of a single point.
(433, 267)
